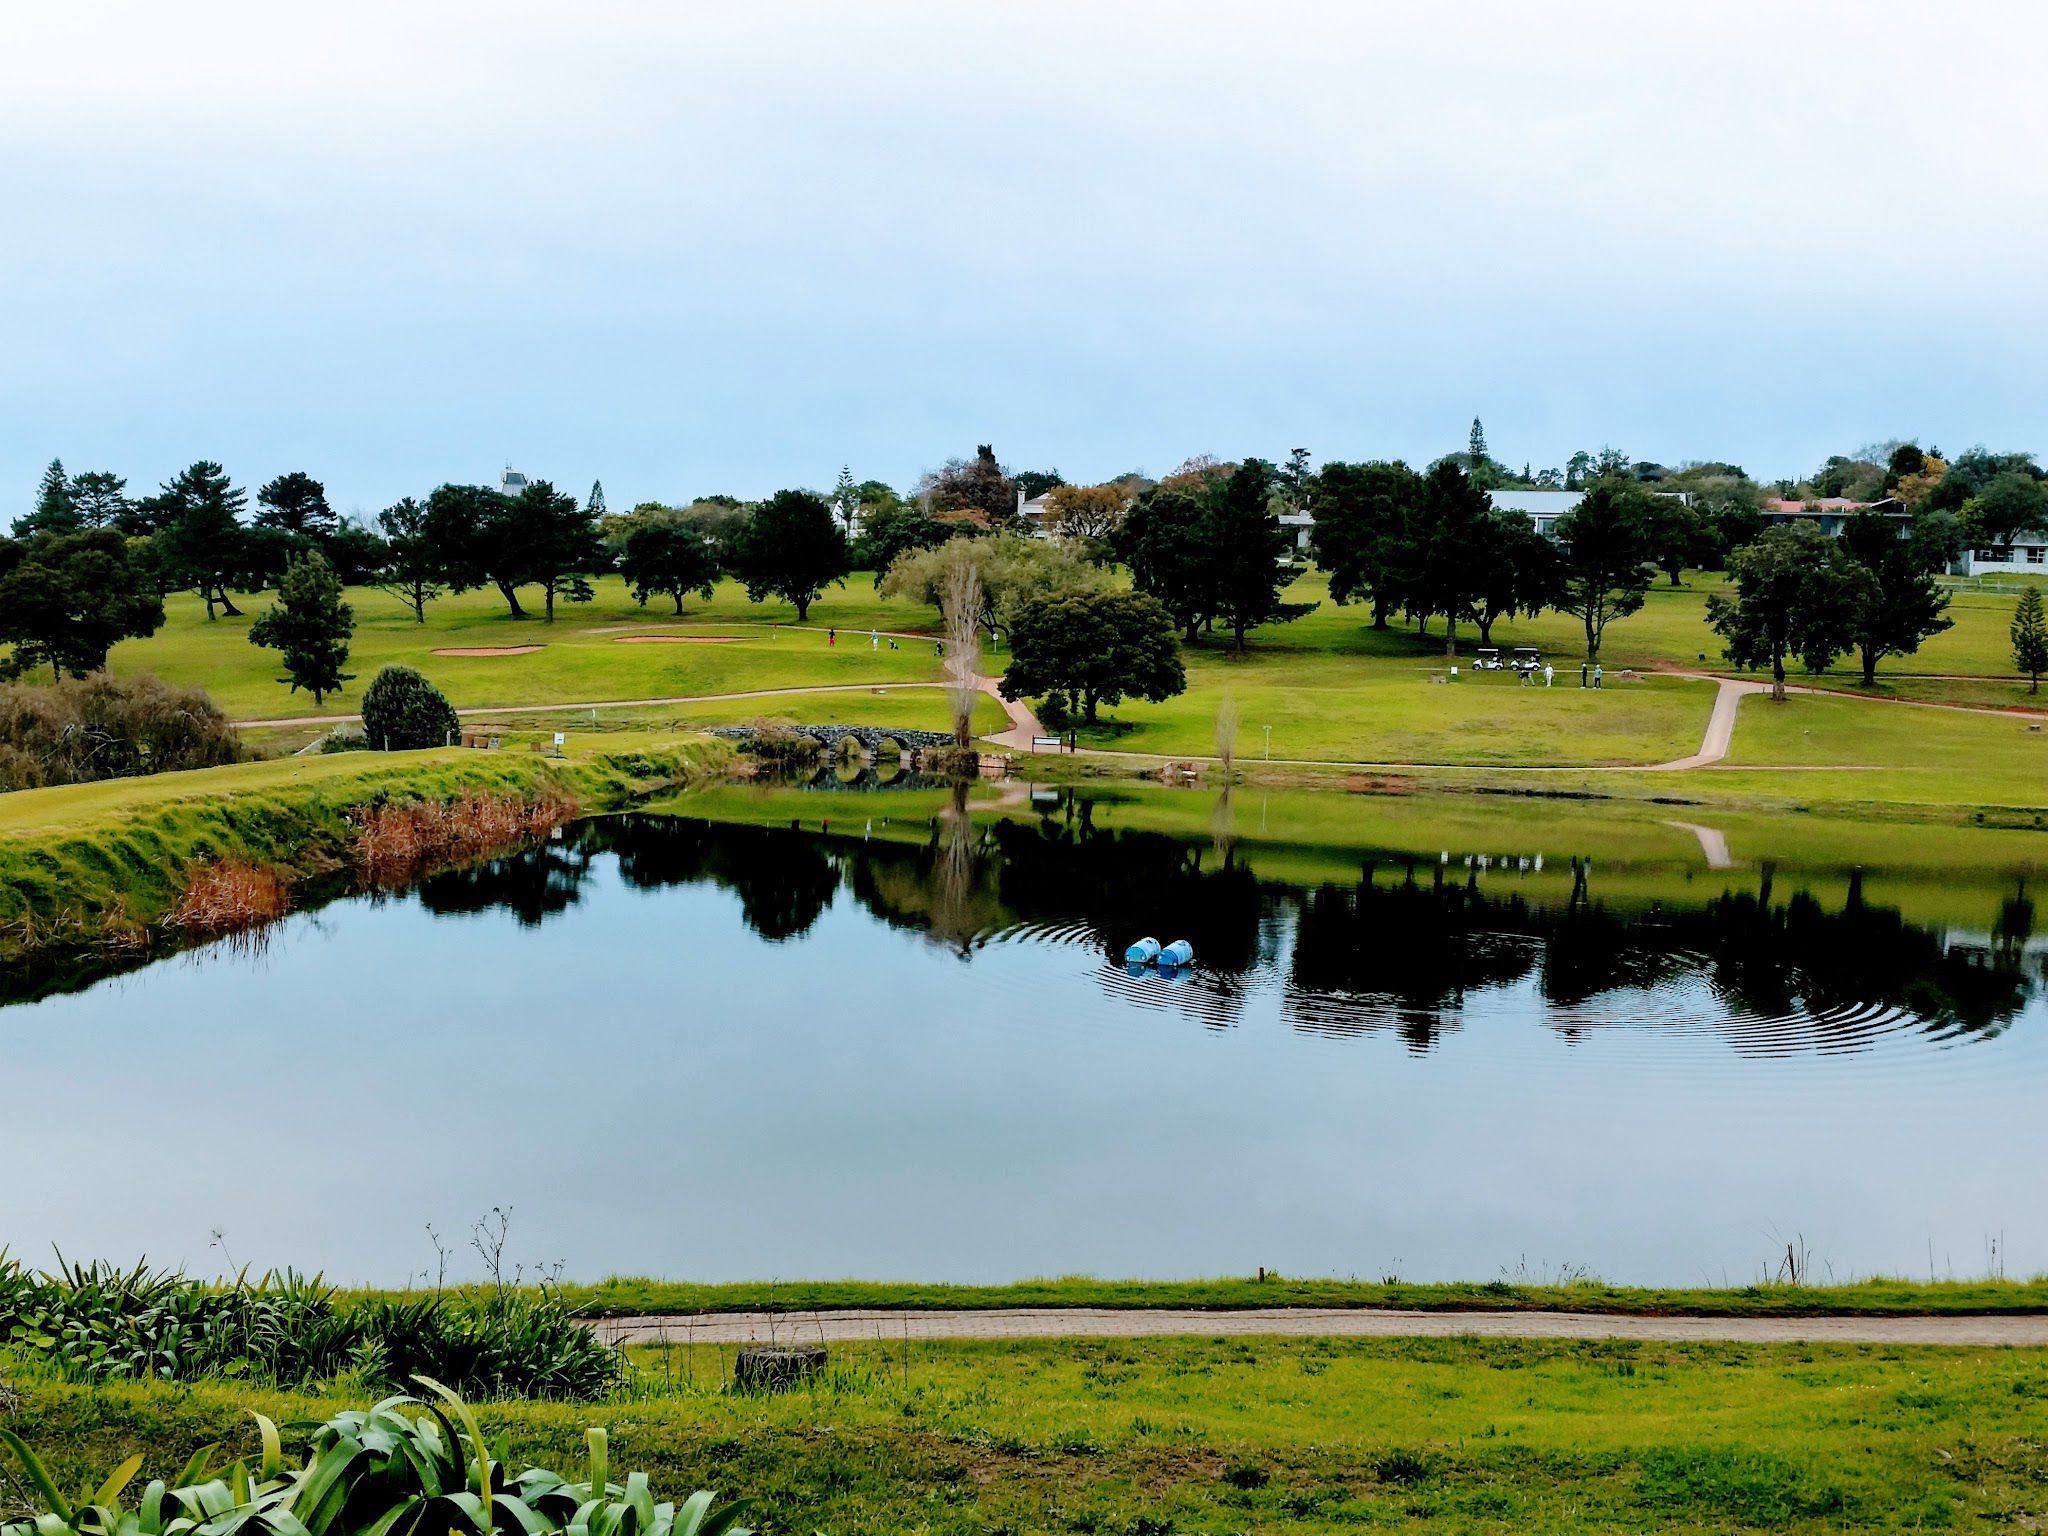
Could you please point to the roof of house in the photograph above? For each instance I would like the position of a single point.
(1546, 502)
(1821, 506)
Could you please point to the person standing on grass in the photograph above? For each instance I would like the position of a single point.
(1582, 674)
(832, 636)
(1548, 673)
(1596, 674)
(874, 640)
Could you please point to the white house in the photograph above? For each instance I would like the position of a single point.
(511, 482)
(2026, 555)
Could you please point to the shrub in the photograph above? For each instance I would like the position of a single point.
(101, 727)
(403, 712)
(379, 1469)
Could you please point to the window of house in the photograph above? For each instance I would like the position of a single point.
(2036, 555)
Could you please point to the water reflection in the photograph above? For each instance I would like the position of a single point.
(1403, 950)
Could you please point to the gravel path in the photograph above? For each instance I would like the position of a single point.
(1304, 1322)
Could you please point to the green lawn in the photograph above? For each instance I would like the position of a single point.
(1285, 1435)
(587, 654)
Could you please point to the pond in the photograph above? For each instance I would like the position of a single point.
(769, 1033)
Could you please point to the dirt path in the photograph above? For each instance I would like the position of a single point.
(1303, 1322)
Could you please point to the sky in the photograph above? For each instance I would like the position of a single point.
(690, 248)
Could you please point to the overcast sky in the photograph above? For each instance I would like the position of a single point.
(689, 248)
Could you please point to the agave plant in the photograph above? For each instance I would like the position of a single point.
(382, 1471)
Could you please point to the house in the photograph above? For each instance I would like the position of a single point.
(1543, 508)
(2027, 554)
(511, 482)
(1831, 514)
(1036, 512)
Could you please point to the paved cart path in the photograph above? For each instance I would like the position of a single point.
(1311, 1322)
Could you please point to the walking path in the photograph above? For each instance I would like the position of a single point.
(1306, 1322)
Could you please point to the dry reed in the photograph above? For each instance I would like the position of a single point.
(395, 844)
(229, 896)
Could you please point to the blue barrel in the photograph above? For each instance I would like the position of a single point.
(1144, 952)
(1179, 952)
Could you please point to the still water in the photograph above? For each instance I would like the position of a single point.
(885, 1036)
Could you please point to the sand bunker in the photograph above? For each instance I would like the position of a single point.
(676, 640)
(487, 650)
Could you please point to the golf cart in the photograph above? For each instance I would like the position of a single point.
(1527, 659)
(1487, 659)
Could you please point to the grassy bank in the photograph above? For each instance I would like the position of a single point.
(76, 859)
(1191, 1435)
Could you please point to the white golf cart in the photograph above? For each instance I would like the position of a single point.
(1487, 659)
(1528, 660)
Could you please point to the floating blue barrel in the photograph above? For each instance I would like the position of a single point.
(1179, 952)
(1144, 952)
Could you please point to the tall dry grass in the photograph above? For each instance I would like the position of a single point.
(229, 896)
(395, 844)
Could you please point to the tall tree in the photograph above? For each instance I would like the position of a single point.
(1515, 570)
(1163, 544)
(478, 541)
(1797, 593)
(100, 498)
(892, 529)
(296, 503)
(1362, 515)
(2030, 638)
(2010, 503)
(1438, 572)
(1904, 604)
(1604, 557)
(977, 490)
(413, 570)
(1679, 536)
(668, 558)
(203, 543)
(846, 501)
(791, 548)
(1095, 647)
(66, 598)
(556, 541)
(54, 510)
(1010, 571)
(310, 626)
(1247, 553)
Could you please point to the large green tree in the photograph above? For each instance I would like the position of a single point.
(309, 626)
(296, 503)
(1797, 593)
(55, 511)
(557, 543)
(1363, 512)
(1903, 604)
(472, 529)
(792, 548)
(2030, 638)
(892, 528)
(200, 535)
(668, 558)
(1438, 568)
(1515, 570)
(1604, 557)
(1010, 571)
(65, 599)
(1162, 542)
(1246, 550)
(2010, 503)
(100, 498)
(1094, 648)
(413, 570)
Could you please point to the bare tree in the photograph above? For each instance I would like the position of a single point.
(960, 605)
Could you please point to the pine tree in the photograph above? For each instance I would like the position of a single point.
(846, 499)
(310, 625)
(1475, 445)
(2030, 638)
(595, 506)
(55, 511)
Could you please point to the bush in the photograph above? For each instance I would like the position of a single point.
(1054, 712)
(403, 712)
(102, 727)
(377, 1469)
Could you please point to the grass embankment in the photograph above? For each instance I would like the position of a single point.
(78, 859)
(625, 1296)
(1193, 1435)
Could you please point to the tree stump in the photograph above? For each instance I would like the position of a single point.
(776, 1367)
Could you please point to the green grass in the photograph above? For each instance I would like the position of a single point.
(1287, 1435)
(583, 654)
(77, 856)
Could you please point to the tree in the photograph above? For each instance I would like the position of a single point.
(296, 503)
(403, 712)
(1438, 569)
(310, 625)
(846, 501)
(65, 599)
(100, 498)
(1246, 553)
(554, 543)
(2030, 638)
(1904, 605)
(1295, 480)
(1515, 571)
(1161, 543)
(413, 570)
(1089, 514)
(791, 548)
(1604, 558)
(1010, 571)
(1678, 535)
(472, 528)
(1969, 473)
(668, 558)
(1097, 647)
(2010, 503)
(976, 490)
(55, 511)
(1362, 515)
(1037, 482)
(1798, 593)
(203, 542)
(891, 530)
